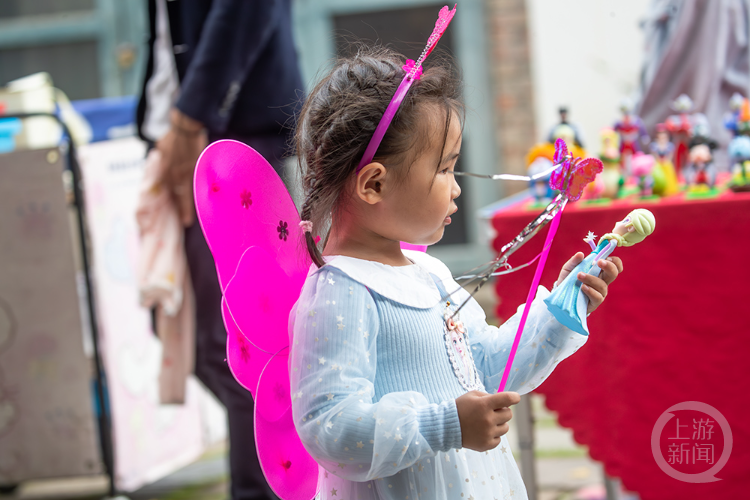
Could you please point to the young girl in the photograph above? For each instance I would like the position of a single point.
(389, 387)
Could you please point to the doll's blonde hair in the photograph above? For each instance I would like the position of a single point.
(643, 223)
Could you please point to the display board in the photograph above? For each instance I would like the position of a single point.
(47, 421)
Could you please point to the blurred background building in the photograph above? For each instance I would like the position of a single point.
(521, 60)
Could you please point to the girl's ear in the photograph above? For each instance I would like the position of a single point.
(370, 183)
(631, 229)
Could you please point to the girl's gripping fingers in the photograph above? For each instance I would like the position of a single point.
(594, 288)
(568, 267)
(611, 267)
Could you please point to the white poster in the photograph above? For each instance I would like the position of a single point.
(150, 440)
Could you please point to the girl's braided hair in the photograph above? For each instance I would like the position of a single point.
(340, 116)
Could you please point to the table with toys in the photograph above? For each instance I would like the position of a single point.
(675, 326)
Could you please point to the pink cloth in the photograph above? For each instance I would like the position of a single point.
(164, 281)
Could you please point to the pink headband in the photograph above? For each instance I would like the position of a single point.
(413, 72)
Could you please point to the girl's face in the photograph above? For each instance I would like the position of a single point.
(421, 206)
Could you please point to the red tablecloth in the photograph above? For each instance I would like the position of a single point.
(675, 327)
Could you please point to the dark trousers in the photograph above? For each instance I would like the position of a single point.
(247, 480)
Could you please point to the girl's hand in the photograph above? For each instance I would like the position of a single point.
(484, 418)
(595, 288)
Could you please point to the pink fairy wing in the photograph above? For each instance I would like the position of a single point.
(289, 469)
(582, 174)
(245, 360)
(274, 382)
(241, 202)
(252, 228)
(259, 298)
(561, 151)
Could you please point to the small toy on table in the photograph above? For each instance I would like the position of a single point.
(665, 177)
(632, 133)
(609, 183)
(681, 128)
(700, 173)
(643, 172)
(731, 119)
(567, 302)
(739, 154)
(540, 187)
(565, 130)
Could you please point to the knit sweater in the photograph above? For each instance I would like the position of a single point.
(377, 360)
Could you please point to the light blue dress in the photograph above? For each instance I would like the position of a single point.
(375, 371)
(567, 302)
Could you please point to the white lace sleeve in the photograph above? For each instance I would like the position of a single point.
(332, 365)
(545, 342)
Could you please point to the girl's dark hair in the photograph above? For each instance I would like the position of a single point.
(339, 118)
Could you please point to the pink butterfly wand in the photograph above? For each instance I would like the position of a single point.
(570, 176)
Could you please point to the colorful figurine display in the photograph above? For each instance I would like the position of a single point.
(567, 302)
(682, 156)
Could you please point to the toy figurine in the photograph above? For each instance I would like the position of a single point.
(681, 128)
(665, 178)
(742, 124)
(632, 133)
(739, 153)
(567, 302)
(573, 138)
(732, 118)
(611, 178)
(643, 170)
(700, 173)
(540, 187)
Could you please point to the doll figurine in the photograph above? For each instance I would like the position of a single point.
(567, 302)
(700, 173)
(739, 154)
(540, 187)
(643, 172)
(681, 128)
(731, 120)
(665, 178)
(632, 133)
(610, 177)
(742, 125)
(575, 134)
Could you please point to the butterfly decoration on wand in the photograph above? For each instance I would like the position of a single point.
(569, 176)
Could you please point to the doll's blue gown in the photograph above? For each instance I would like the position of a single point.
(567, 302)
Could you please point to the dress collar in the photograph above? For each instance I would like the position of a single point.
(409, 285)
